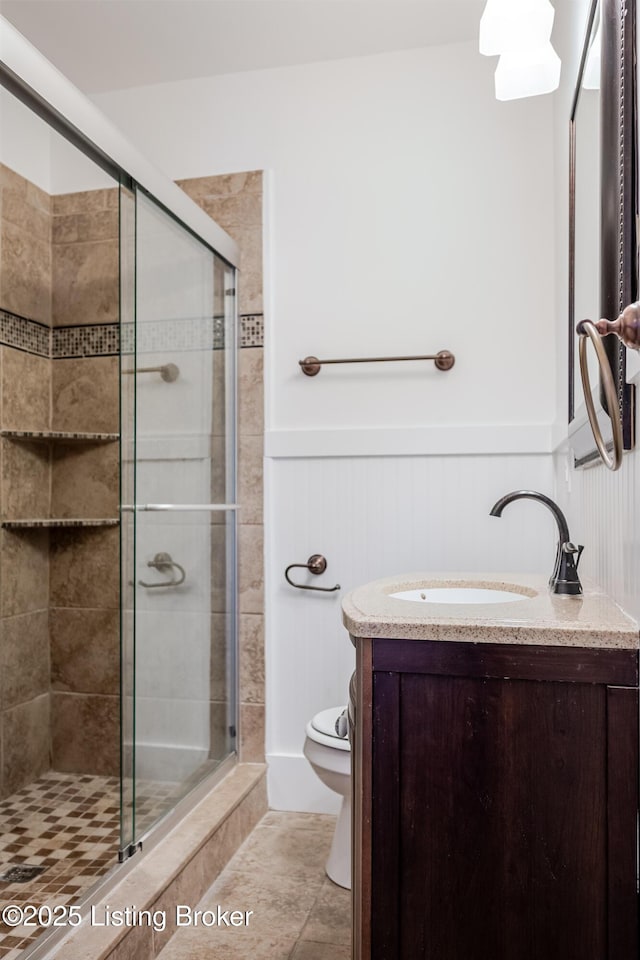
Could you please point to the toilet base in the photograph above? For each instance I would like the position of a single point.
(338, 866)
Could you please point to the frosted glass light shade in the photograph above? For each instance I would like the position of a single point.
(507, 26)
(527, 74)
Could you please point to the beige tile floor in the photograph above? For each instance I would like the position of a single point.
(299, 914)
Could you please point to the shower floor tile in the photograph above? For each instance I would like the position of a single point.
(70, 825)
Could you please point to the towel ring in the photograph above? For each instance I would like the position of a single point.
(587, 329)
(164, 563)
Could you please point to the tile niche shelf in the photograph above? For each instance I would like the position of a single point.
(46, 436)
(53, 523)
(62, 437)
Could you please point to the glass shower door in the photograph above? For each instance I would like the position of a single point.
(178, 389)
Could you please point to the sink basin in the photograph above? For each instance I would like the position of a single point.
(460, 595)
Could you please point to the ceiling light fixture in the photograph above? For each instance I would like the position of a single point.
(519, 31)
(527, 74)
(510, 26)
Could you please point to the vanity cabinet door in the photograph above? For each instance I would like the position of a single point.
(503, 816)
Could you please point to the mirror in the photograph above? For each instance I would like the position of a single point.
(602, 272)
(586, 196)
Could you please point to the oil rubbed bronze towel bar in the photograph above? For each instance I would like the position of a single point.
(444, 360)
(169, 371)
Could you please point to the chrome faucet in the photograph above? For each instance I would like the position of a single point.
(564, 578)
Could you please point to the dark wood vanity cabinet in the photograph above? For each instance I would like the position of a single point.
(495, 802)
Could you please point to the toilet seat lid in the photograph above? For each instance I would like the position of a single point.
(325, 722)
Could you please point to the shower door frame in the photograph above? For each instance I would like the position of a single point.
(130, 507)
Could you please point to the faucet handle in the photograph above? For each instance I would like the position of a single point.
(571, 548)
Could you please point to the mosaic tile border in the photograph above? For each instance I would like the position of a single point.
(92, 340)
(45, 436)
(193, 333)
(103, 339)
(188, 333)
(23, 334)
(251, 332)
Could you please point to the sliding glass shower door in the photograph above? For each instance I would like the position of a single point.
(178, 519)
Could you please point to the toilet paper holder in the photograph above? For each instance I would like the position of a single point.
(316, 564)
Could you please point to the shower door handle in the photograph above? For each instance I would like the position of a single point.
(184, 507)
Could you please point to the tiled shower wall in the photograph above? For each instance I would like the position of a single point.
(84, 575)
(234, 201)
(59, 651)
(59, 647)
(85, 258)
(25, 290)
(25, 281)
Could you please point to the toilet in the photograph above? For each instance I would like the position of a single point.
(330, 757)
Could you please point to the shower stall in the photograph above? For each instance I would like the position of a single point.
(118, 623)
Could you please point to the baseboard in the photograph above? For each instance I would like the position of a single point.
(292, 785)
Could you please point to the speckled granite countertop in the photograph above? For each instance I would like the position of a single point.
(592, 620)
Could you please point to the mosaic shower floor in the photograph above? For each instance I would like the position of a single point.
(70, 825)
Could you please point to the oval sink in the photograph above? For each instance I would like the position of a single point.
(459, 595)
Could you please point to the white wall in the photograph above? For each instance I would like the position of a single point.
(29, 146)
(407, 212)
(25, 141)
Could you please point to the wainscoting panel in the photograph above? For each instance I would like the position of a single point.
(603, 509)
(372, 517)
